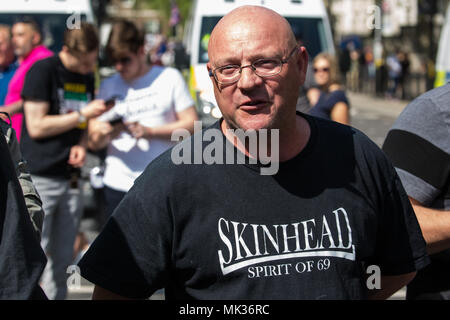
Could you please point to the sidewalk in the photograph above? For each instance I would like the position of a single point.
(388, 107)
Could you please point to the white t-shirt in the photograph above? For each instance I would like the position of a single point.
(152, 100)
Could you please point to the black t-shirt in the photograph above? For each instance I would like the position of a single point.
(22, 259)
(48, 80)
(224, 231)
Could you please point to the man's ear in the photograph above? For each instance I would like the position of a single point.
(211, 76)
(36, 39)
(302, 62)
(208, 67)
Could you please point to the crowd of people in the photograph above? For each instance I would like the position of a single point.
(214, 231)
(132, 116)
(388, 77)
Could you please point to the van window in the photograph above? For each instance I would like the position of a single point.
(208, 24)
(52, 26)
(310, 30)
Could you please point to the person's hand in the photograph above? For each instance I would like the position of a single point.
(94, 109)
(138, 131)
(77, 156)
(109, 130)
(4, 117)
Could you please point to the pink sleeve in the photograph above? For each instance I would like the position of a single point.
(16, 83)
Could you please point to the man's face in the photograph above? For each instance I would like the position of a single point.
(129, 65)
(254, 102)
(24, 39)
(6, 49)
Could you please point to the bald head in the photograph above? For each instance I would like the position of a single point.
(251, 19)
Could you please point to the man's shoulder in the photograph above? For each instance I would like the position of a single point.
(112, 80)
(167, 73)
(436, 100)
(40, 52)
(337, 137)
(45, 64)
(428, 117)
(336, 129)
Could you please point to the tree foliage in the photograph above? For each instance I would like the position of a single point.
(164, 7)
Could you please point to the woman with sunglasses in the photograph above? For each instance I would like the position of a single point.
(328, 99)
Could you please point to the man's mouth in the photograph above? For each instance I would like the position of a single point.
(253, 105)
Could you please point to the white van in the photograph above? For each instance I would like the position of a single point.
(308, 19)
(443, 56)
(54, 16)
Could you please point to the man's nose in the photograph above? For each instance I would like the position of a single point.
(249, 78)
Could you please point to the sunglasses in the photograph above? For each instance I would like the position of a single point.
(321, 69)
(123, 61)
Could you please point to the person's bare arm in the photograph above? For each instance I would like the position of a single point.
(12, 108)
(340, 113)
(390, 285)
(435, 226)
(42, 125)
(103, 294)
(185, 120)
(313, 95)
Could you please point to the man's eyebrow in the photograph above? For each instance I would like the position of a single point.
(236, 61)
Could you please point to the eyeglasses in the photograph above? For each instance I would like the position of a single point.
(321, 69)
(123, 61)
(264, 68)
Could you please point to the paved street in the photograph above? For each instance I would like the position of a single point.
(373, 116)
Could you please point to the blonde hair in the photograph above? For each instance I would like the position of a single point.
(334, 76)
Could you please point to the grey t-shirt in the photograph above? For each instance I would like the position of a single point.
(419, 147)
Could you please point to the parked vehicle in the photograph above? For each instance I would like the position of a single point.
(442, 59)
(53, 16)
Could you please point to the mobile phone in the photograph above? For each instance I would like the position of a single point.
(116, 121)
(111, 101)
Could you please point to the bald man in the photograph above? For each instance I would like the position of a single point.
(331, 222)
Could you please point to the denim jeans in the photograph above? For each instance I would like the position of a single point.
(63, 210)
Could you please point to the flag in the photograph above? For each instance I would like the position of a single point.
(174, 14)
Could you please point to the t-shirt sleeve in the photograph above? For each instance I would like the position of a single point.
(416, 150)
(339, 96)
(106, 92)
(400, 246)
(181, 95)
(131, 256)
(37, 82)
